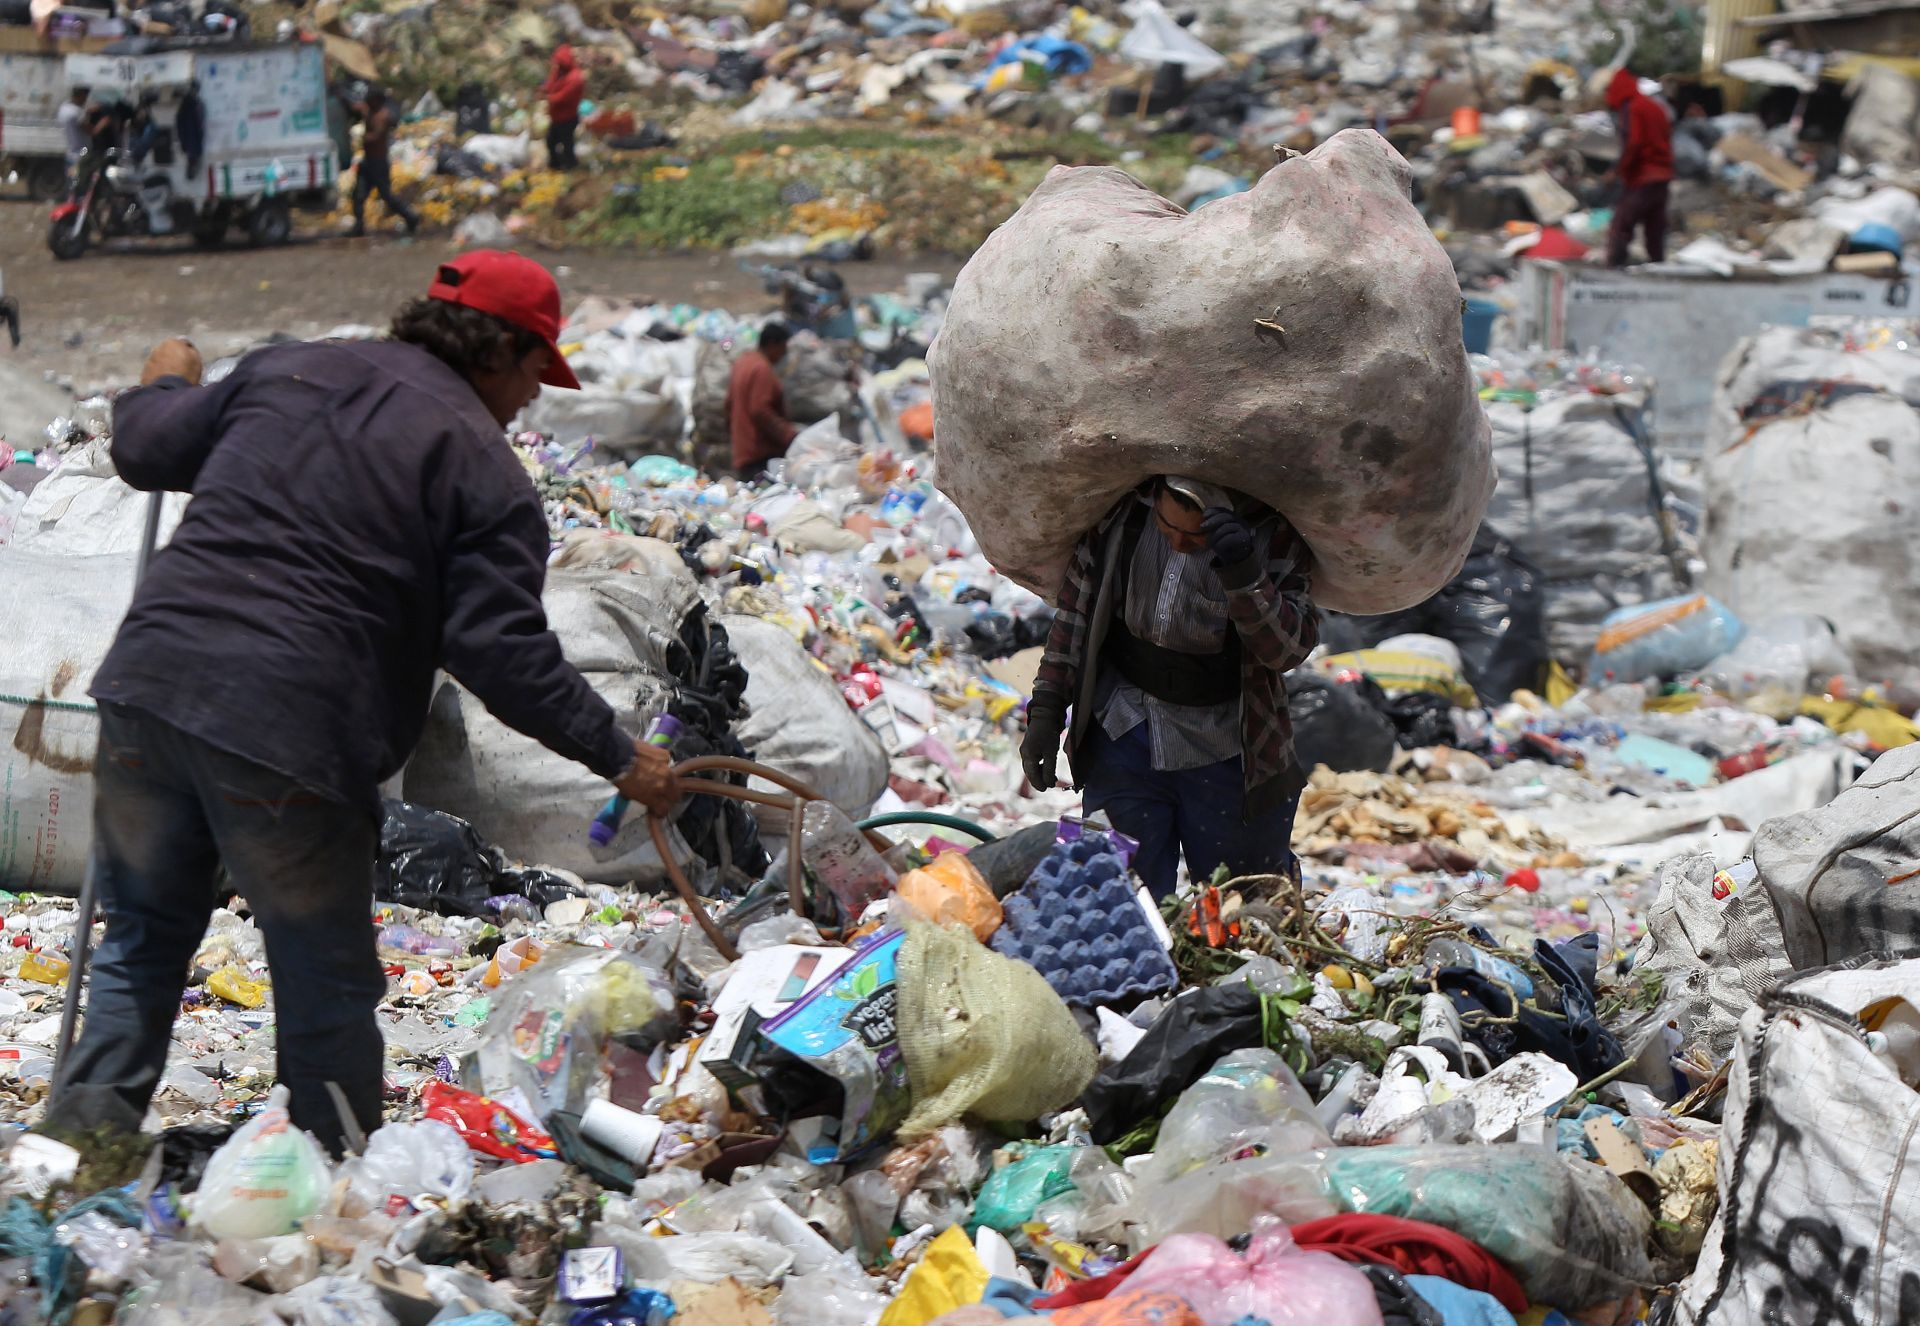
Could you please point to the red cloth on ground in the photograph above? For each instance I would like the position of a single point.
(1646, 151)
(757, 411)
(1092, 1291)
(565, 86)
(1413, 1247)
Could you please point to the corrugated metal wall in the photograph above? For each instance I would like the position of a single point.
(1725, 40)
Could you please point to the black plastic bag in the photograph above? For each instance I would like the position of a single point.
(1187, 1039)
(1494, 612)
(434, 861)
(1008, 863)
(1573, 1034)
(1339, 724)
(709, 698)
(1421, 718)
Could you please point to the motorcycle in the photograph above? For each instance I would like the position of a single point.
(122, 202)
(813, 298)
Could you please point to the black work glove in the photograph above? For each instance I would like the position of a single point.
(1230, 537)
(1040, 748)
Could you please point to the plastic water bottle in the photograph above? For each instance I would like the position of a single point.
(665, 729)
(1458, 953)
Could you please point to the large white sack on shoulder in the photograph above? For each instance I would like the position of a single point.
(1103, 336)
(798, 722)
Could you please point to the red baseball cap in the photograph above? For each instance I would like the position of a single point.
(514, 289)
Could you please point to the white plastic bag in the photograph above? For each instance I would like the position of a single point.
(264, 1180)
(276, 1264)
(410, 1159)
(840, 1295)
(337, 1300)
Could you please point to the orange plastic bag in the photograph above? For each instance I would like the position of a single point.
(951, 891)
(916, 421)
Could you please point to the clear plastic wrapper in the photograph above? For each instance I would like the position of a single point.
(1248, 1103)
(1571, 1232)
(547, 1033)
(841, 1295)
(276, 1264)
(336, 1300)
(408, 1160)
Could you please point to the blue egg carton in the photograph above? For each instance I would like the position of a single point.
(1077, 922)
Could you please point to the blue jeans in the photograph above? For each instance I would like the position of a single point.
(169, 811)
(1197, 811)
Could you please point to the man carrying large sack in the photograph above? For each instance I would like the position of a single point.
(1180, 616)
(358, 522)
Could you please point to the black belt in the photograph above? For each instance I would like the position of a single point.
(1168, 674)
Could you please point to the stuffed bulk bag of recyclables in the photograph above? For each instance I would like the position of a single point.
(1299, 342)
(1819, 1171)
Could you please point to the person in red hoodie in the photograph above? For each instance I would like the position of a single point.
(564, 88)
(1645, 170)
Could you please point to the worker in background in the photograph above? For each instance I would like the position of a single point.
(375, 172)
(100, 135)
(72, 119)
(757, 405)
(143, 130)
(190, 128)
(277, 662)
(340, 112)
(1645, 171)
(1181, 614)
(564, 88)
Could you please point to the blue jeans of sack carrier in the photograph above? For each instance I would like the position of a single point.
(1195, 811)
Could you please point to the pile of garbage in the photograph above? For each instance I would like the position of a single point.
(918, 1048)
(921, 125)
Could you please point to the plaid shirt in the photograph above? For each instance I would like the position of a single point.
(1270, 608)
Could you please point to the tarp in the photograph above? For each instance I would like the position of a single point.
(1155, 39)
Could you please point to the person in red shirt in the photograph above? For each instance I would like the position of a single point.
(564, 88)
(757, 405)
(1645, 170)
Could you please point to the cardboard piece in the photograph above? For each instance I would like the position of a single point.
(1623, 1156)
(763, 983)
(728, 1303)
(1771, 166)
(1868, 264)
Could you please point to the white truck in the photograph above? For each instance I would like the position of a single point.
(240, 140)
(33, 83)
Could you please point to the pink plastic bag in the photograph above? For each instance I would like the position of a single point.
(1275, 1283)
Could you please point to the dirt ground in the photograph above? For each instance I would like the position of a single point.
(90, 322)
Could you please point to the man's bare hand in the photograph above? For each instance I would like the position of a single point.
(176, 358)
(650, 780)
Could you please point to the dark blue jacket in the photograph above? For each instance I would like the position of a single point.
(358, 522)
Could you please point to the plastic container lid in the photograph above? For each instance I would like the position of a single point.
(1877, 237)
